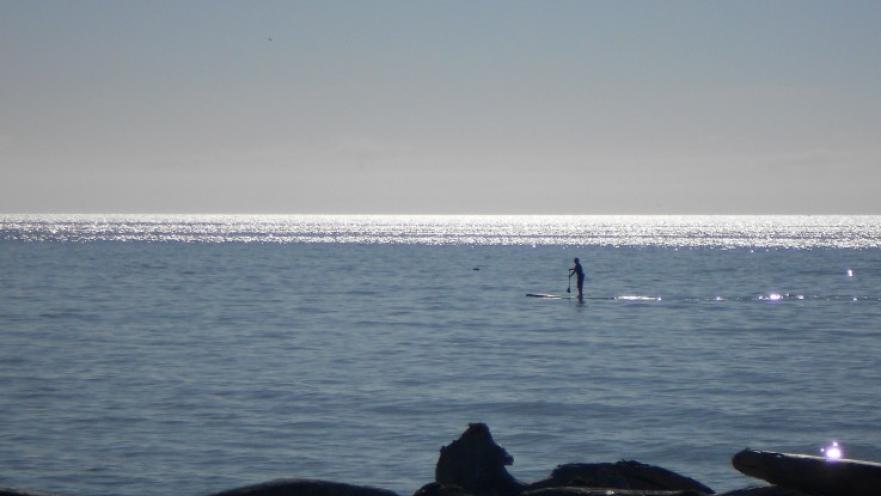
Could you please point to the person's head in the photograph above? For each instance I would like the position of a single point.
(576, 260)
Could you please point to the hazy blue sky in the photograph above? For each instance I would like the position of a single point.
(440, 107)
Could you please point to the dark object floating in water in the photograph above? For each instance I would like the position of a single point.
(476, 268)
(542, 295)
(812, 475)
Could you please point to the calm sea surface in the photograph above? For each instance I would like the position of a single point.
(149, 355)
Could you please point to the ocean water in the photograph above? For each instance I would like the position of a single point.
(142, 355)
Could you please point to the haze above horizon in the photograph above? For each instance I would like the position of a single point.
(562, 107)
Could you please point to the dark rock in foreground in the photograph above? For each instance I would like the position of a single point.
(812, 475)
(7, 491)
(601, 491)
(438, 489)
(475, 463)
(626, 474)
(304, 487)
(765, 491)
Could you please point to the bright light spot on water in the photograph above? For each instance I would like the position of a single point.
(719, 298)
(800, 297)
(637, 298)
(775, 297)
(833, 451)
(849, 272)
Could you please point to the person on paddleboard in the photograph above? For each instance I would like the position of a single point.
(579, 271)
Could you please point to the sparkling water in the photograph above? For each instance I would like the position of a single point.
(142, 355)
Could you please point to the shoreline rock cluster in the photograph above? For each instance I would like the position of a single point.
(474, 465)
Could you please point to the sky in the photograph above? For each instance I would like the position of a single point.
(538, 107)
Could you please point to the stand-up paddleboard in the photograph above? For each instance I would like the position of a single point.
(637, 298)
(547, 296)
(812, 474)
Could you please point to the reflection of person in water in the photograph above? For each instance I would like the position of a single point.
(577, 270)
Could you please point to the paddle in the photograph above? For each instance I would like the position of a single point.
(569, 288)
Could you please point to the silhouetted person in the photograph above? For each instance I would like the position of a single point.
(579, 271)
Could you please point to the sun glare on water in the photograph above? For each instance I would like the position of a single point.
(677, 231)
(833, 451)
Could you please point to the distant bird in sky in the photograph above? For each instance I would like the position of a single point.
(268, 39)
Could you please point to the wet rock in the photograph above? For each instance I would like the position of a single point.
(765, 491)
(305, 487)
(626, 474)
(7, 491)
(812, 475)
(437, 489)
(475, 463)
(599, 491)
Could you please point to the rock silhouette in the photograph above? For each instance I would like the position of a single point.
(438, 489)
(626, 474)
(765, 491)
(600, 491)
(813, 475)
(6, 491)
(304, 487)
(476, 464)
